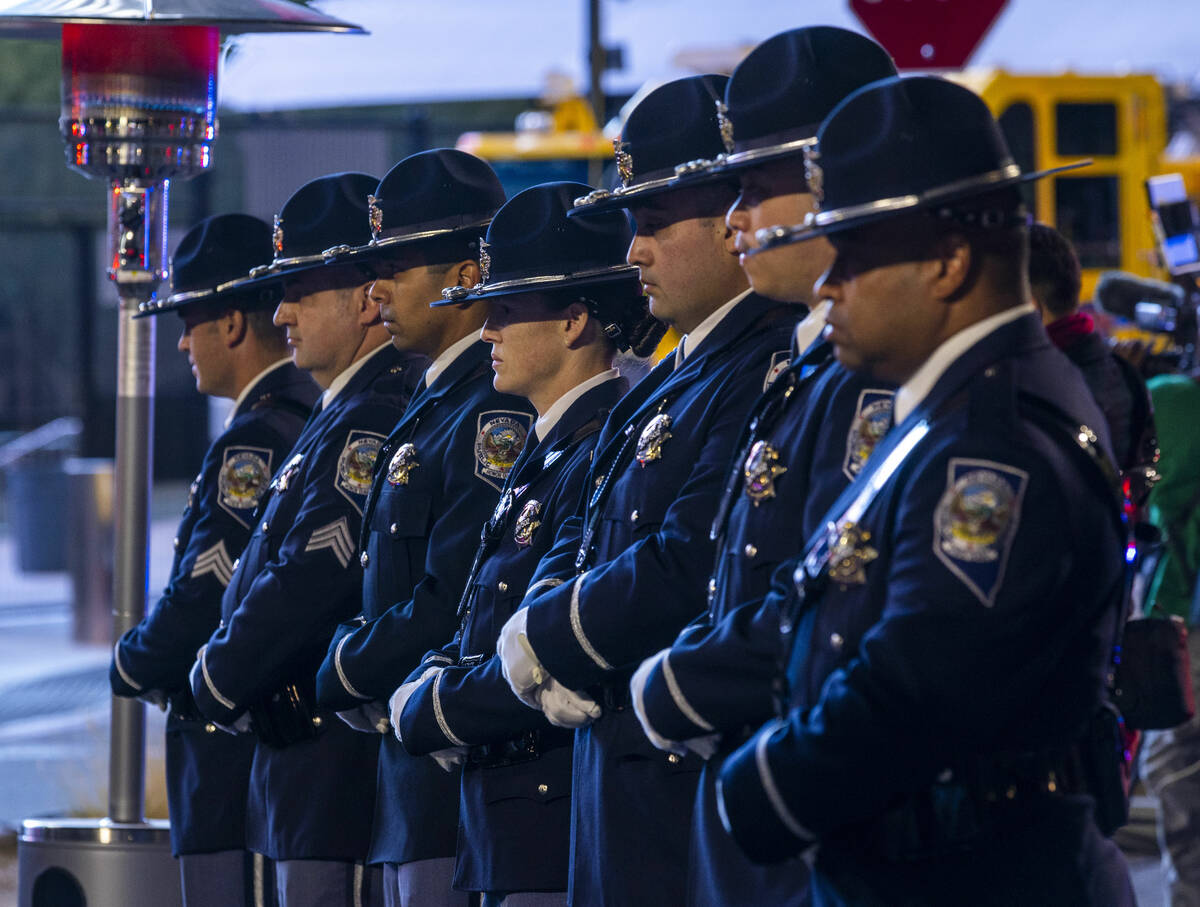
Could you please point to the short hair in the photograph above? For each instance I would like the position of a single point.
(1053, 270)
(260, 320)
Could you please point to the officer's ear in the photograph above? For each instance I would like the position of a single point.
(366, 308)
(233, 327)
(464, 274)
(953, 267)
(576, 321)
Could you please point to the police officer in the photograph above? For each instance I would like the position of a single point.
(807, 436)
(439, 478)
(942, 735)
(632, 565)
(236, 352)
(561, 302)
(312, 782)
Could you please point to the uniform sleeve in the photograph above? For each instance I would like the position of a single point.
(291, 608)
(375, 659)
(636, 603)
(1001, 589)
(157, 653)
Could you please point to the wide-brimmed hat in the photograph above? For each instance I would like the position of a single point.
(532, 245)
(323, 221)
(212, 262)
(431, 195)
(901, 145)
(781, 92)
(674, 124)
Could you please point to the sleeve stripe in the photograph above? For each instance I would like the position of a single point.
(440, 715)
(337, 663)
(121, 669)
(216, 694)
(767, 779)
(543, 584)
(335, 537)
(438, 659)
(681, 701)
(215, 560)
(577, 626)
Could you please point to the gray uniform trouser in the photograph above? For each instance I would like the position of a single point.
(227, 878)
(422, 883)
(327, 883)
(1170, 767)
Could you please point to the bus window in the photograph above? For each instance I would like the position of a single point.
(1017, 124)
(1085, 129)
(1086, 213)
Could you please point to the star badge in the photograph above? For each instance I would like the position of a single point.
(760, 472)
(849, 554)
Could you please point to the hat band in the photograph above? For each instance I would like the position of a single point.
(482, 289)
(325, 257)
(395, 239)
(633, 189)
(749, 156)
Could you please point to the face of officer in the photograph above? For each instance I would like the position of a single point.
(403, 289)
(685, 255)
(206, 340)
(539, 350)
(772, 194)
(328, 319)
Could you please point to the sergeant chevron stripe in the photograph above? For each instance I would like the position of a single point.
(215, 560)
(336, 537)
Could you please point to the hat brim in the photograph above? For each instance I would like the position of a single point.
(728, 166)
(604, 201)
(538, 284)
(837, 220)
(225, 291)
(377, 248)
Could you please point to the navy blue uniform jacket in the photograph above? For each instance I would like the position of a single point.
(807, 437)
(296, 580)
(439, 477)
(509, 812)
(972, 612)
(207, 771)
(660, 464)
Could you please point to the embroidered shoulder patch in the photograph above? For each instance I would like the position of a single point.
(976, 521)
(498, 442)
(872, 419)
(243, 480)
(356, 466)
(780, 360)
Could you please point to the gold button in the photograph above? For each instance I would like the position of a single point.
(394, 529)
(265, 526)
(364, 559)
(502, 586)
(633, 517)
(673, 758)
(316, 721)
(543, 788)
(750, 550)
(835, 640)
(210, 728)
(176, 543)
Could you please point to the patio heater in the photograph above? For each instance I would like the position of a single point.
(139, 95)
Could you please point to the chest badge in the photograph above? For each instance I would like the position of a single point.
(527, 523)
(849, 555)
(761, 470)
(287, 474)
(653, 437)
(404, 461)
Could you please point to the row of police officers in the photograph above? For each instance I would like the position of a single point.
(820, 610)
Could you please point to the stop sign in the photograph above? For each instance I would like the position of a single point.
(928, 34)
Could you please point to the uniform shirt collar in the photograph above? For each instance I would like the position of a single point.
(249, 388)
(690, 342)
(810, 328)
(335, 386)
(546, 422)
(917, 387)
(447, 357)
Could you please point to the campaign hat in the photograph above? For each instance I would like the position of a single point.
(431, 195)
(532, 245)
(672, 125)
(212, 262)
(903, 145)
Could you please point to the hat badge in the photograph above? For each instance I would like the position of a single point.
(277, 236)
(814, 174)
(374, 216)
(624, 161)
(725, 125)
(485, 261)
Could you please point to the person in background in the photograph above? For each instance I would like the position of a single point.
(235, 352)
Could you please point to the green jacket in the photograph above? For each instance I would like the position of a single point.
(1175, 500)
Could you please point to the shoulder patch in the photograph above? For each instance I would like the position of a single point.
(356, 466)
(498, 442)
(780, 361)
(976, 520)
(243, 480)
(872, 419)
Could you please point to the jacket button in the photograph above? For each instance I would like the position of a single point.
(543, 788)
(835, 640)
(176, 543)
(750, 550)
(364, 559)
(210, 728)
(673, 758)
(633, 517)
(237, 563)
(394, 529)
(221, 625)
(265, 526)
(502, 586)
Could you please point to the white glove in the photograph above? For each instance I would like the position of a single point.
(566, 708)
(404, 693)
(240, 726)
(518, 661)
(450, 757)
(156, 698)
(370, 718)
(705, 747)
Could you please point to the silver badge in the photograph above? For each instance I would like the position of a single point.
(653, 437)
